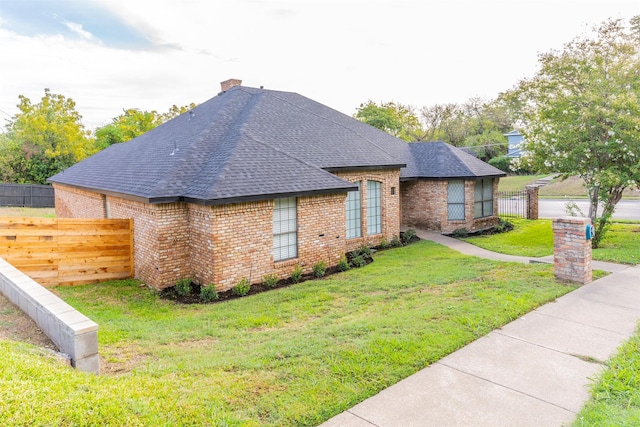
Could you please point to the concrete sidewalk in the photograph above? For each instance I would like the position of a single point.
(534, 371)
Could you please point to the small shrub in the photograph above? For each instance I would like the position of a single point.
(242, 288)
(460, 232)
(384, 244)
(408, 235)
(183, 287)
(270, 280)
(395, 242)
(296, 274)
(364, 250)
(209, 293)
(320, 269)
(343, 264)
(503, 226)
(358, 261)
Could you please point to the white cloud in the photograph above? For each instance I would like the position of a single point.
(340, 53)
(77, 29)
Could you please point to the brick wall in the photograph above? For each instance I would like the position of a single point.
(389, 179)
(75, 203)
(224, 243)
(145, 236)
(424, 205)
(242, 243)
(321, 231)
(571, 250)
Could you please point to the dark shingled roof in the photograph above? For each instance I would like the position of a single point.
(252, 144)
(439, 160)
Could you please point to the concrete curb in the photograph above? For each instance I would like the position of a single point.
(71, 331)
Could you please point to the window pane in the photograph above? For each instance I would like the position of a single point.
(477, 210)
(354, 229)
(456, 211)
(285, 236)
(455, 192)
(488, 207)
(455, 200)
(488, 189)
(477, 193)
(374, 208)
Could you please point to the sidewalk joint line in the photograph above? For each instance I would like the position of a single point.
(506, 387)
(363, 419)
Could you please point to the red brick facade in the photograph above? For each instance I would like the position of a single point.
(390, 183)
(424, 205)
(222, 244)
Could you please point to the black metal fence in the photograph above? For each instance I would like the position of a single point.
(27, 195)
(513, 203)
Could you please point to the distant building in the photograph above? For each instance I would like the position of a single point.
(515, 140)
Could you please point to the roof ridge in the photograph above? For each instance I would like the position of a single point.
(456, 152)
(233, 128)
(191, 156)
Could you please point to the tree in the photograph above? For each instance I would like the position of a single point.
(477, 124)
(43, 139)
(133, 123)
(581, 114)
(394, 118)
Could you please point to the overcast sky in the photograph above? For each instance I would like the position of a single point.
(150, 54)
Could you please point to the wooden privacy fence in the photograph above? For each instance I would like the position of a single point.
(65, 251)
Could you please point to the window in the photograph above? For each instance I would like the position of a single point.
(285, 229)
(374, 208)
(354, 227)
(455, 200)
(483, 198)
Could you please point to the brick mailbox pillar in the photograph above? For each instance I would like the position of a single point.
(532, 201)
(572, 249)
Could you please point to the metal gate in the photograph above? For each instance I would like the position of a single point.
(513, 203)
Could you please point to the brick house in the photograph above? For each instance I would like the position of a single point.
(255, 181)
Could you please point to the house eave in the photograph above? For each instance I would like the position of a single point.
(364, 168)
(133, 197)
(212, 202)
(448, 178)
(271, 196)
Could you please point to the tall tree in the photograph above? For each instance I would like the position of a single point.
(394, 118)
(582, 115)
(134, 122)
(478, 124)
(43, 139)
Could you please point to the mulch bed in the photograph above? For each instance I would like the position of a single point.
(194, 296)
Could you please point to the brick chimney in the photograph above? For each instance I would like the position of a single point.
(228, 84)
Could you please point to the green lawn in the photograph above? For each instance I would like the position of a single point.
(615, 395)
(535, 239)
(517, 182)
(293, 356)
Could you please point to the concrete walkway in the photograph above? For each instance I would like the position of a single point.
(535, 371)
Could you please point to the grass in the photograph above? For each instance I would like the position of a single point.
(535, 239)
(28, 212)
(293, 356)
(572, 187)
(517, 182)
(615, 395)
